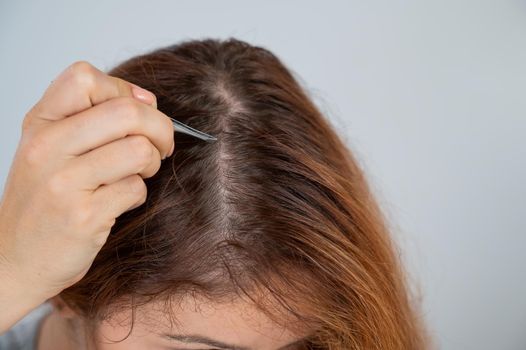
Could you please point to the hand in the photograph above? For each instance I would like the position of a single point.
(84, 151)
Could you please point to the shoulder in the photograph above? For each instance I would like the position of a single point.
(23, 334)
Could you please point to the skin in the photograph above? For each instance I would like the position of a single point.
(86, 147)
(237, 323)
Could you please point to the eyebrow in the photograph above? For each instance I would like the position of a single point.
(194, 338)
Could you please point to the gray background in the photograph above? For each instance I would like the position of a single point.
(429, 94)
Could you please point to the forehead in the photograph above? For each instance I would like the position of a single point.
(238, 321)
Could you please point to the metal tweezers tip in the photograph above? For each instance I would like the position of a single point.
(185, 129)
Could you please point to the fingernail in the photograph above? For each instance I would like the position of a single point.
(144, 95)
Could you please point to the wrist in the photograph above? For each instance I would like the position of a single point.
(17, 298)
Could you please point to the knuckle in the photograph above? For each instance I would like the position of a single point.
(110, 223)
(35, 149)
(27, 122)
(157, 165)
(141, 149)
(107, 224)
(153, 166)
(82, 217)
(58, 184)
(100, 239)
(80, 65)
(83, 73)
(141, 199)
(128, 110)
(138, 186)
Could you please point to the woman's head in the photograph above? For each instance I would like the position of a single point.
(274, 221)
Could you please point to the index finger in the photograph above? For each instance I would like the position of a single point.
(81, 86)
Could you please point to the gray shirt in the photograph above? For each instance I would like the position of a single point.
(23, 335)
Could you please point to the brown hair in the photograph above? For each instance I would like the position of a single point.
(278, 204)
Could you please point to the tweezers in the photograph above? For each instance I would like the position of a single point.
(185, 129)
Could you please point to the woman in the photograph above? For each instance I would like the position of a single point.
(268, 238)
